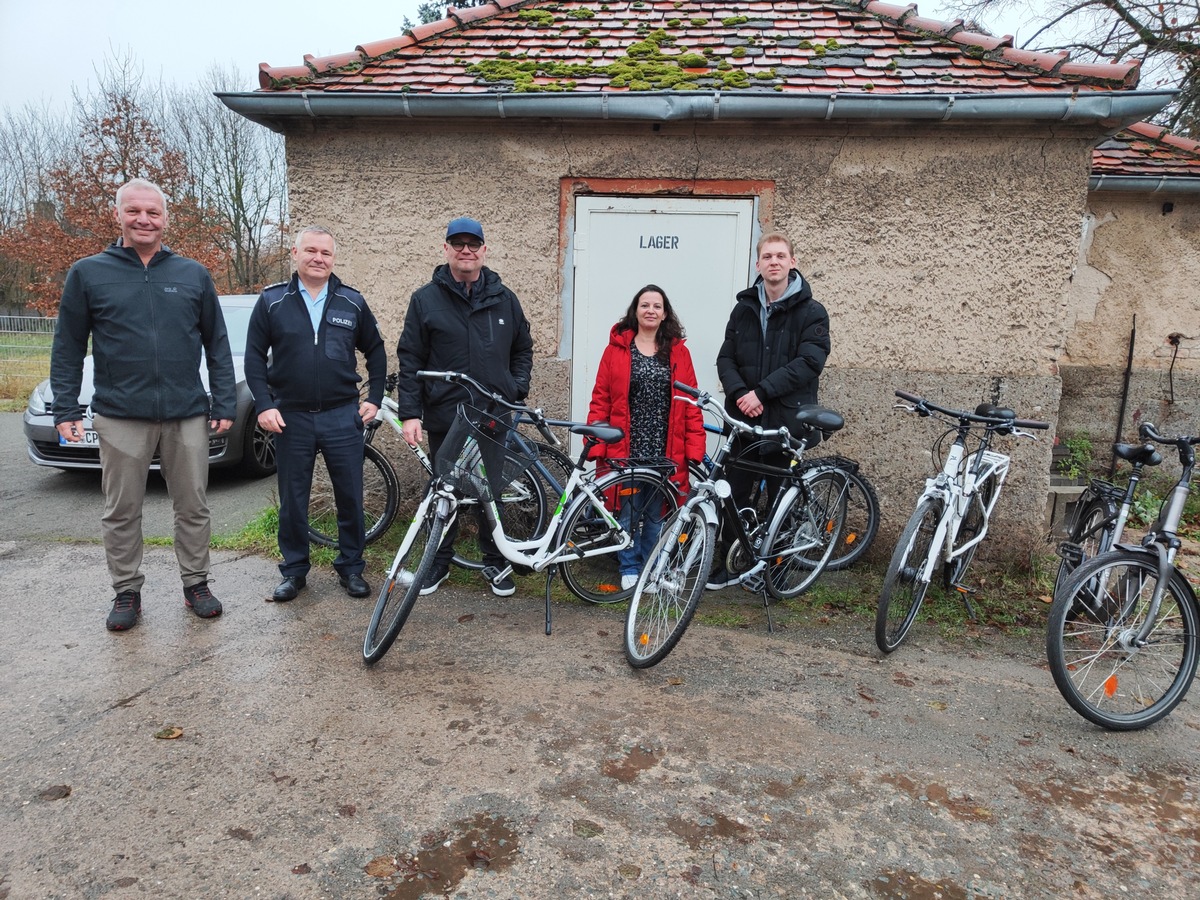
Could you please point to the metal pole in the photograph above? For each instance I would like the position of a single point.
(1112, 467)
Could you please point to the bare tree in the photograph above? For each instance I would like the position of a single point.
(238, 172)
(1164, 38)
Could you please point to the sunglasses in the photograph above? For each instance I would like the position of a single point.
(473, 246)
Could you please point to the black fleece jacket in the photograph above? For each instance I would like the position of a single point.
(148, 325)
(485, 336)
(312, 371)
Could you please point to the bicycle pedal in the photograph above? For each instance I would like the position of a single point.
(491, 574)
(963, 589)
(754, 582)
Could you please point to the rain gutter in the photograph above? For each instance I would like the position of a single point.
(1111, 109)
(1145, 184)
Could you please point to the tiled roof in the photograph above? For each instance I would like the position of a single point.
(1147, 150)
(630, 45)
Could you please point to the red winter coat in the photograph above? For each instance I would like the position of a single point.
(610, 403)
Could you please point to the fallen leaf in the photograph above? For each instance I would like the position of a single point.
(55, 792)
(382, 867)
(1046, 598)
(302, 869)
(169, 733)
(469, 617)
(675, 680)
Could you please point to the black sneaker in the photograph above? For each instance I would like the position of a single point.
(439, 574)
(127, 606)
(720, 578)
(200, 600)
(505, 587)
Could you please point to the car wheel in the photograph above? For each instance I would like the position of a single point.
(258, 452)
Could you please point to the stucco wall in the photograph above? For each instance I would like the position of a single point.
(941, 252)
(1140, 257)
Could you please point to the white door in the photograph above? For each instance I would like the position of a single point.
(699, 251)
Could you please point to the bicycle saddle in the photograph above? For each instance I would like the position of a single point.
(995, 412)
(601, 432)
(1138, 453)
(822, 418)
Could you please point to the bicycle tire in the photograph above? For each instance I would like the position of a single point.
(381, 498)
(402, 586)
(1091, 530)
(669, 587)
(972, 523)
(597, 579)
(902, 594)
(862, 520)
(1091, 621)
(804, 532)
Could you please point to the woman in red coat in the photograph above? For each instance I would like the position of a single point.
(645, 356)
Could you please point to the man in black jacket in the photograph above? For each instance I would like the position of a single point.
(149, 314)
(775, 348)
(464, 320)
(309, 398)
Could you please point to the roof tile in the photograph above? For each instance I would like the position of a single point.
(804, 45)
(1149, 151)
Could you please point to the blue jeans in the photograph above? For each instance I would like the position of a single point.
(642, 515)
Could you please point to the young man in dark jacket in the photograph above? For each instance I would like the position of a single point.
(149, 314)
(308, 397)
(775, 348)
(464, 320)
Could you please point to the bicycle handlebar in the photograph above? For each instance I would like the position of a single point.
(925, 407)
(705, 400)
(1148, 431)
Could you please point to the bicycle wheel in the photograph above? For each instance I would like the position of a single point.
(972, 524)
(1089, 535)
(669, 587)
(381, 497)
(903, 588)
(804, 532)
(642, 501)
(559, 466)
(1099, 667)
(862, 521)
(408, 574)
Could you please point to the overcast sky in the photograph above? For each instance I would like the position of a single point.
(49, 47)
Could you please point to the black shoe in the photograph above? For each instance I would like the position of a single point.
(505, 587)
(720, 578)
(439, 574)
(289, 588)
(355, 585)
(200, 600)
(127, 606)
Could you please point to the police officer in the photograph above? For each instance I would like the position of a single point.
(308, 397)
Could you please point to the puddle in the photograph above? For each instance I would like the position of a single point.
(443, 860)
(709, 827)
(636, 761)
(905, 885)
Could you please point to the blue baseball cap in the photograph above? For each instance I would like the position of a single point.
(464, 225)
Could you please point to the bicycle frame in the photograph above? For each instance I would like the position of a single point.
(955, 486)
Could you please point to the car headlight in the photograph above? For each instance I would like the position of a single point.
(41, 399)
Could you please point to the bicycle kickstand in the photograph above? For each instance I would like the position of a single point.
(549, 577)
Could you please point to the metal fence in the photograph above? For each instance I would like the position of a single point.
(24, 353)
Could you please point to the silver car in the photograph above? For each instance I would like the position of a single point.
(245, 445)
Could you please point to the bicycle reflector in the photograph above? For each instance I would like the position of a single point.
(1110, 686)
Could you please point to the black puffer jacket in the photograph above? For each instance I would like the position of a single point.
(148, 326)
(782, 364)
(444, 331)
(312, 371)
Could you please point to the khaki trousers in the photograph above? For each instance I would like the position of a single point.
(126, 449)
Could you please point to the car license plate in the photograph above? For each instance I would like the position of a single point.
(90, 439)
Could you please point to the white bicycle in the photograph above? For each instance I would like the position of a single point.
(952, 514)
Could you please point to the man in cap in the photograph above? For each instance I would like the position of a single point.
(463, 320)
